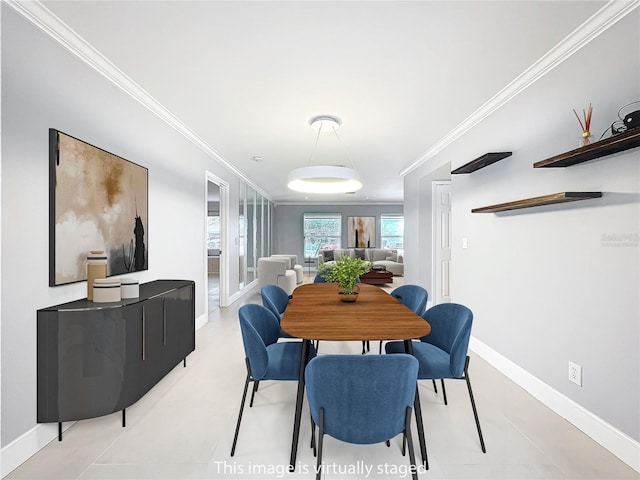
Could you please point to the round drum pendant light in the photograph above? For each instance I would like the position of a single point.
(324, 178)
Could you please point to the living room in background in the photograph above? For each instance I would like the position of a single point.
(392, 232)
(322, 231)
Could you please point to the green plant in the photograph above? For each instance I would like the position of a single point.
(344, 272)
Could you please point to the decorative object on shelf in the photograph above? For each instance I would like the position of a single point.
(345, 273)
(96, 198)
(608, 146)
(324, 178)
(96, 268)
(361, 232)
(561, 197)
(586, 126)
(129, 288)
(481, 162)
(106, 290)
(626, 122)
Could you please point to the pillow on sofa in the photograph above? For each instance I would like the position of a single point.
(328, 255)
(359, 253)
(392, 258)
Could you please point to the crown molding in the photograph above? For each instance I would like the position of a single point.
(598, 23)
(43, 18)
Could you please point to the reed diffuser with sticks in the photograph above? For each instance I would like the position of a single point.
(585, 124)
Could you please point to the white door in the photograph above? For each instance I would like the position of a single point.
(441, 242)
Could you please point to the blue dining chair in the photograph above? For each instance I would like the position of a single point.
(361, 399)
(275, 299)
(319, 279)
(442, 353)
(266, 359)
(413, 297)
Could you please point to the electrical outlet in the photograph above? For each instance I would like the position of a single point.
(575, 373)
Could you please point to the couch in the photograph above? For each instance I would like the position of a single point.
(275, 271)
(390, 259)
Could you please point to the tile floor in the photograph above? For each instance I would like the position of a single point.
(183, 428)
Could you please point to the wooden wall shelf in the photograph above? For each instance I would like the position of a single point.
(602, 148)
(561, 197)
(481, 162)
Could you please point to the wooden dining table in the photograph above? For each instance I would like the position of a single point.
(315, 312)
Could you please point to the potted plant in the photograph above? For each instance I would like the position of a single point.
(345, 273)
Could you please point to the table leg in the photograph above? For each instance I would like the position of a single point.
(299, 399)
(408, 348)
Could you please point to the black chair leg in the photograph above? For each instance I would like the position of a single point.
(444, 392)
(244, 397)
(320, 440)
(473, 405)
(407, 436)
(313, 436)
(380, 349)
(365, 346)
(253, 393)
(435, 387)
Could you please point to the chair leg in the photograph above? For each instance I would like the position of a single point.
(380, 349)
(365, 346)
(253, 393)
(244, 397)
(313, 435)
(473, 405)
(435, 387)
(407, 436)
(444, 392)
(320, 440)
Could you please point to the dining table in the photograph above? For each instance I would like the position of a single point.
(315, 312)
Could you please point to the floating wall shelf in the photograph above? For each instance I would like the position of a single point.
(561, 197)
(602, 148)
(481, 162)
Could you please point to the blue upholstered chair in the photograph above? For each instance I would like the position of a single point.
(275, 299)
(319, 279)
(413, 297)
(442, 353)
(361, 399)
(266, 359)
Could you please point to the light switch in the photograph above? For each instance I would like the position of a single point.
(464, 242)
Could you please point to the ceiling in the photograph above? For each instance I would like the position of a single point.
(246, 77)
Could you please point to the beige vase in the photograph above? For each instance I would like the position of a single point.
(96, 268)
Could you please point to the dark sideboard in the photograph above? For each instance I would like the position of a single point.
(98, 358)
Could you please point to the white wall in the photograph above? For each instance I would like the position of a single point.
(44, 86)
(544, 284)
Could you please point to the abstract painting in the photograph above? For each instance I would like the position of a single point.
(361, 232)
(97, 201)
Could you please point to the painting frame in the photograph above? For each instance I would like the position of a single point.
(361, 232)
(98, 201)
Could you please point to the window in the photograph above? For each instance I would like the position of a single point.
(321, 231)
(392, 228)
(213, 232)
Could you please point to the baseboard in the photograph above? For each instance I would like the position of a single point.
(618, 443)
(28, 444)
(201, 321)
(239, 294)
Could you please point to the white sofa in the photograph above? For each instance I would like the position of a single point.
(390, 259)
(293, 265)
(275, 271)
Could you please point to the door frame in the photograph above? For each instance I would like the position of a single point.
(224, 238)
(435, 258)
